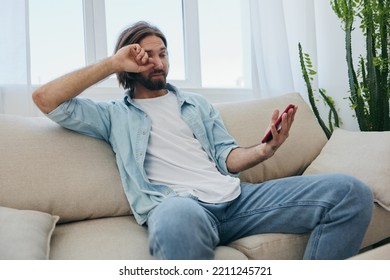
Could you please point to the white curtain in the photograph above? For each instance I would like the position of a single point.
(15, 84)
(277, 28)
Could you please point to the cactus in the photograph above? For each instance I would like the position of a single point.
(308, 73)
(369, 86)
(370, 96)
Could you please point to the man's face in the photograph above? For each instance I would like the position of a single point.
(156, 78)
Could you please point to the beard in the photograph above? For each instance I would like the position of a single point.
(150, 84)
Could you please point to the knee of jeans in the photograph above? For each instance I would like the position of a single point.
(362, 190)
(365, 196)
(361, 193)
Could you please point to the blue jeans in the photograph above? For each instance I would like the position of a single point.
(335, 208)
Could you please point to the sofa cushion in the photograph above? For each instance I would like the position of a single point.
(272, 246)
(247, 122)
(24, 234)
(110, 238)
(364, 155)
(47, 168)
(278, 246)
(379, 228)
(380, 253)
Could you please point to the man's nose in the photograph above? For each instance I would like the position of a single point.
(158, 63)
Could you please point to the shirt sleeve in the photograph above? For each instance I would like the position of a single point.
(84, 116)
(223, 142)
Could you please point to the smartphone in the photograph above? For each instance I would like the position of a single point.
(278, 125)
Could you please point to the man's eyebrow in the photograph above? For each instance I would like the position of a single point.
(163, 49)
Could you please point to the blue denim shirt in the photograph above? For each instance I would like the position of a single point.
(126, 127)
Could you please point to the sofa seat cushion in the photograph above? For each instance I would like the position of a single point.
(278, 246)
(272, 246)
(50, 169)
(123, 238)
(248, 121)
(379, 228)
(380, 253)
(25, 234)
(110, 238)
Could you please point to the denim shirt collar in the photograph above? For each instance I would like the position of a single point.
(180, 96)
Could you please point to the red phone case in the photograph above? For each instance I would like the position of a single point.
(268, 136)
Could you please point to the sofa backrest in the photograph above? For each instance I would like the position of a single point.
(47, 168)
(248, 121)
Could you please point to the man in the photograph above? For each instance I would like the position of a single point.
(179, 165)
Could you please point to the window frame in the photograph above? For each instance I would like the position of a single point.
(96, 41)
(95, 35)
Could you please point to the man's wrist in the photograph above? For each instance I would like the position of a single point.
(111, 65)
(265, 151)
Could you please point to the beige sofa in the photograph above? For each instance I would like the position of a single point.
(61, 195)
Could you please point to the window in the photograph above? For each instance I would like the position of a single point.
(208, 46)
(225, 52)
(56, 38)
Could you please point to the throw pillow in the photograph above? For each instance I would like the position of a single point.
(25, 234)
(364, 155)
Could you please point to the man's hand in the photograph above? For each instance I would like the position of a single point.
(279, 136)
(133, 59)
(241, 159)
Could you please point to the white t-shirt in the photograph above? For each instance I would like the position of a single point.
(174, 157)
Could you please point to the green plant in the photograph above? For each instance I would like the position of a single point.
(308, 75)
(370, 85)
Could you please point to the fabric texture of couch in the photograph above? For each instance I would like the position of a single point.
(65, 188)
